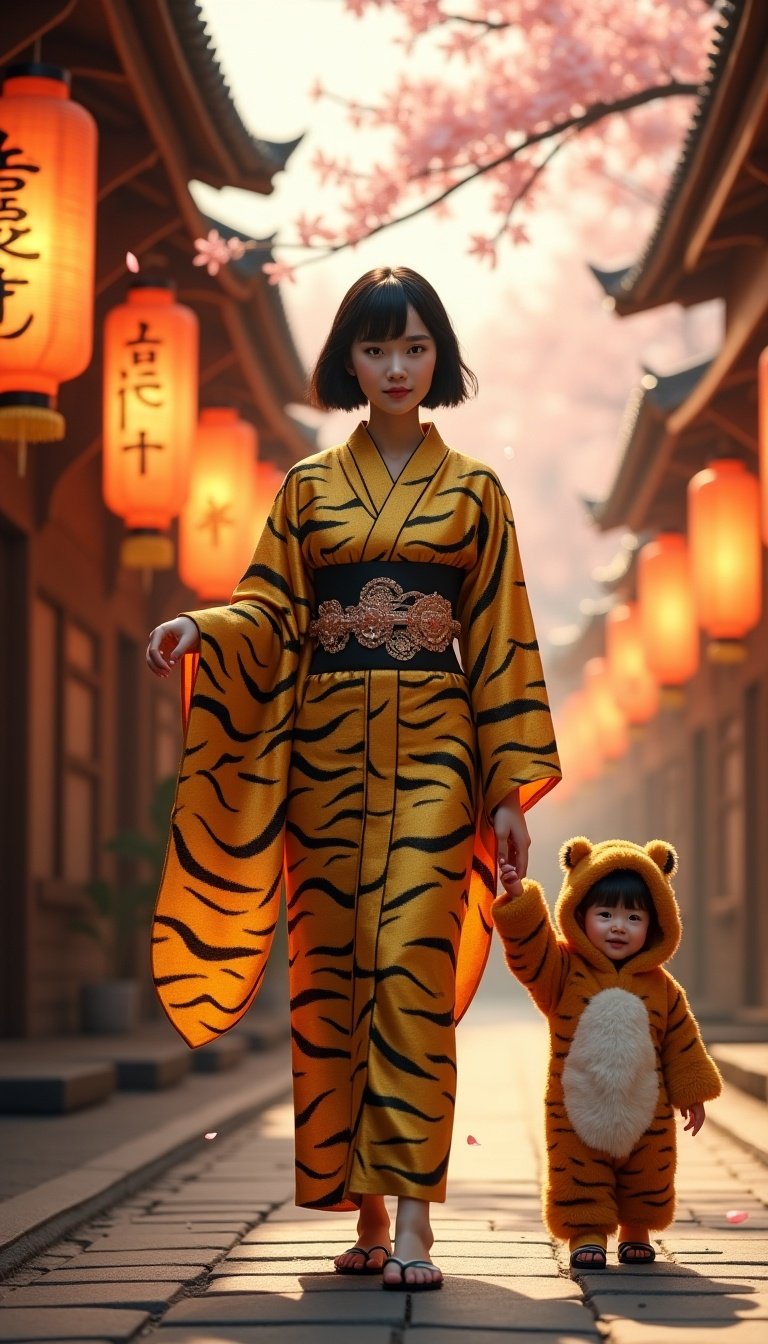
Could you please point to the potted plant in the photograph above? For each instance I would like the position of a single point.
(118, 909)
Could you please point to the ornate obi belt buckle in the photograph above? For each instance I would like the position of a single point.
(386, 615)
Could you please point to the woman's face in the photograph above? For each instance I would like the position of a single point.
(395, 376)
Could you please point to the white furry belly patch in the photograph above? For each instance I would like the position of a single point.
(610, 1088)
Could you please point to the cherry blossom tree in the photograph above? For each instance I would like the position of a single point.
(516, 83)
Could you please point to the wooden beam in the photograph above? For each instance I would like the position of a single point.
(24, 23)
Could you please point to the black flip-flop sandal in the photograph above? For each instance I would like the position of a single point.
(402, 1286)
(365, 1269)
(576, 1263)
(647, 1257)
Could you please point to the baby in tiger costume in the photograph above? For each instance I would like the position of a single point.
(625, 1050)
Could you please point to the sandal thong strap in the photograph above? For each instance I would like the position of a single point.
(578, 1263)
(648, 1253)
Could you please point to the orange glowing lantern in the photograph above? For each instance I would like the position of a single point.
(667, 611)
(632, 683)
(47, 227)
(578, 741)
(216, 524)
(610, 723)
(150, 414)
(762, 400)
(726, 557)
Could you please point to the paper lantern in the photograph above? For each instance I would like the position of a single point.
(668, 624)
(578, 740)
(762, 401)
(726, 556)
(267, 480)
(47, 227)
(150, 416)
(609, 720)
(217, 521)
(632, 683)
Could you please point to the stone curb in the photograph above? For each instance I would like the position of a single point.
(32, 1221)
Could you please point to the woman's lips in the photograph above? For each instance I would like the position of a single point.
(397, 393)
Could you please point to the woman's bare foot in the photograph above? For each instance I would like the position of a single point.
(372, 1231)
(413, 1241)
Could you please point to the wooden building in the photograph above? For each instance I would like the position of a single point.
(85, 732)
(698, 774)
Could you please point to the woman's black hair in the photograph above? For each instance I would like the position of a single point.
(624, 887)
(375, 309)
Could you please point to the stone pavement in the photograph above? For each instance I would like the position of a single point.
(213, 1250)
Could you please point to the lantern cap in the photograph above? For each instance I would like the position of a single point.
(36, 70)
(146, 548)
(152, 280)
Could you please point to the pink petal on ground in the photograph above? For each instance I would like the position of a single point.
(132, 263)
(471, 1140)
(211, 1135)
(736, 1216)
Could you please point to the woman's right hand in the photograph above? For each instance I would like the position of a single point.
(169, 641)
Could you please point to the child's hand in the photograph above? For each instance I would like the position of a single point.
(695, 1115)
(510, 881)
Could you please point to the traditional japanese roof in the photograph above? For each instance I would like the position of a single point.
(644, 450)
(714, 200)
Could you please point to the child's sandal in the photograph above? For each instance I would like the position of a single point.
(591, 1263)
(644, 1253)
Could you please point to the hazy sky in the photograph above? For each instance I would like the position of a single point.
(555, 368)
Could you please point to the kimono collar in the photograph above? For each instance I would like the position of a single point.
(372, 480)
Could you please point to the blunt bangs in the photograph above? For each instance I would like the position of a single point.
(376, 309)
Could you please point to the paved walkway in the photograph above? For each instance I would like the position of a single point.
(214, 1250)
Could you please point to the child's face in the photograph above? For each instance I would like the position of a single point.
(619, 933)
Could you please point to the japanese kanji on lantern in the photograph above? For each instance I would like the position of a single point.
(668, 625)
(216, 527)
(632, 683)
(47, 228)
(150, 416)
(726, 557)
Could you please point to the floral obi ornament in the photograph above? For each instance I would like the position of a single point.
(402, 622)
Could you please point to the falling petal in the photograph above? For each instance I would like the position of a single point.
(132, 262)
(473, 1141)
(736, 1216)
(211, 1134)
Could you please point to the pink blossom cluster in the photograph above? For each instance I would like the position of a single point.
(533, 78)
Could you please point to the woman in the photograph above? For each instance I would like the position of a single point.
(335, 739)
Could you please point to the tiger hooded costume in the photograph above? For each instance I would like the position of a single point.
(625, 1050)
(369, 788)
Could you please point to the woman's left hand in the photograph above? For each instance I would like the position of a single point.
(512, 833)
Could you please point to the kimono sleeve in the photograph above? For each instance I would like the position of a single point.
(218, 904)
(501, 659)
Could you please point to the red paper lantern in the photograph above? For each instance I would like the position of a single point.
(762, 400)
(578, 741)
(217, 521)
(150, 415)
(667, 611)
(636, 692)
(47, 226)
(610, 723)
(267, 480)
(726, 557)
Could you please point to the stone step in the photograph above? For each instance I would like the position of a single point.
(744, 1065)
(225, 1053)
(53, 1087)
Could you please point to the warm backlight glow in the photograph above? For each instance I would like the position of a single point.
(48, 199)
(633, 685)
(726, 557)
(668, 625)
(762, 400)
(217, 522)
(610, 722)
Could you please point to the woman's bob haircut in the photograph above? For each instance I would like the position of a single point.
(375, 309)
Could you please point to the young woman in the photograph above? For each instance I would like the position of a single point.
(335, 739)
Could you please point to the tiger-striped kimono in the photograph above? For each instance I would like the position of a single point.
(625, 1048)
(371, 790)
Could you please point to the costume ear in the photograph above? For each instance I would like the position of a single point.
(573, 851)
(663, 855)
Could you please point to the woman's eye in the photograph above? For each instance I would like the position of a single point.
(417, 350)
